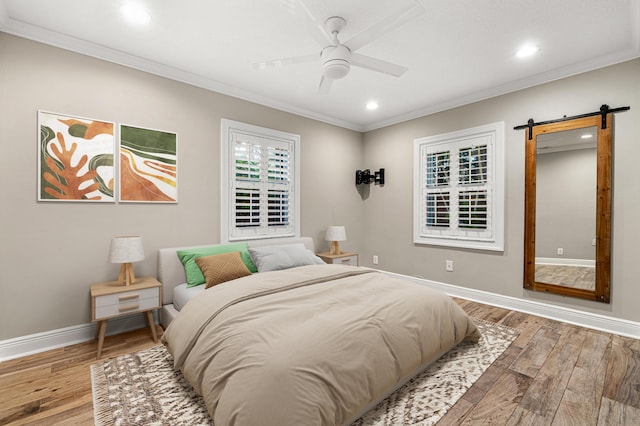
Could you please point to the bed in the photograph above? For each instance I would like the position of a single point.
(314, 344)
(171, 273)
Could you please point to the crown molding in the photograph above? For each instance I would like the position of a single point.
(514, 86)
(76, 45)
(73, 44)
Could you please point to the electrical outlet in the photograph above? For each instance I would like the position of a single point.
(560, 250)
(375, 259)
(448, 265)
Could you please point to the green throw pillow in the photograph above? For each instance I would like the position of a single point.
(193, 272)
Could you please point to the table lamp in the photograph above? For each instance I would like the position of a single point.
(335, 234)
(125, 250)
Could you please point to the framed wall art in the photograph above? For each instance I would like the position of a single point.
(148, 165)
(75, 158)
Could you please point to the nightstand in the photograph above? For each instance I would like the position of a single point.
(343, 258)
(113, 300)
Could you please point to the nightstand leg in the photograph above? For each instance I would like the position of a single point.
(152, 325)
(102, 327)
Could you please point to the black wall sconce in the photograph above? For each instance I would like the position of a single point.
(365, 177)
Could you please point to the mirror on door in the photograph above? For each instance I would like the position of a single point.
(566, 181)
(568, 208)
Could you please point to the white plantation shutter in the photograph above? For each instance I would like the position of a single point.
(279, 185)
(262, 199)
(437, 188)
(475, 188)
(246, 185)
(459, 187)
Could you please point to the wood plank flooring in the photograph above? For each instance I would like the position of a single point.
(54, 387)
(553, 374)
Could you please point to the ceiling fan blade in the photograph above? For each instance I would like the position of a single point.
(376, 65)
(389, 23)
(325, 85)
(317, 29)
(276, 63)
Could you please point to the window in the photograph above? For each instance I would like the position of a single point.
(459, 188)
(259, 182)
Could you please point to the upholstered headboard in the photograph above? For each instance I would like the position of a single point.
(171, 271)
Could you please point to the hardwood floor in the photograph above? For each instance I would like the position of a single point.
(54, 387)
(553, 374)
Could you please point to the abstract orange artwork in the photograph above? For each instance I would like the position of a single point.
(75, 161)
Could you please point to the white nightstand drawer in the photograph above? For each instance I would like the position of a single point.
(112, 305)
(126, 296)
(126, 307)
(343, 258)
(346, 260)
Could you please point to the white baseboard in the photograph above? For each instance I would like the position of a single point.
(565, 262)
(593, 321)
(40, 342)
(45, 341)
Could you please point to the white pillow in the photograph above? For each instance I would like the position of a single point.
(274, 258)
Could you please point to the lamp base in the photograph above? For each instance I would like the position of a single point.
(126, 275)
(335, 248)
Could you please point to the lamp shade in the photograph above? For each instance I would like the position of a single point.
(126, 250)
(336, 233)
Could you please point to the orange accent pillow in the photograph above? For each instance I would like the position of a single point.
(223, 267)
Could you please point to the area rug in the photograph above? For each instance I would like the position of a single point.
(143, 389)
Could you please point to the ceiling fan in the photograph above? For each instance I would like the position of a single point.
(336, 57)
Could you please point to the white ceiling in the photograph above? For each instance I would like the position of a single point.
(457, 51)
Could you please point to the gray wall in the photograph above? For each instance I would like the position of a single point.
(50, 252)
(566, 204)
(388, 215)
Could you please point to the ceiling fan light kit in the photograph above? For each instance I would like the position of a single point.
(335, 62)
(335, 69)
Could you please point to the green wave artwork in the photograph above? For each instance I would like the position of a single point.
(145, 143)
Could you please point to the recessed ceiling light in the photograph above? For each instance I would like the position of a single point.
(371, 105)
(587, 136)
(135, 13)
(526, 50)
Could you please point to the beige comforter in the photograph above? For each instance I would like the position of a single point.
(314, 345)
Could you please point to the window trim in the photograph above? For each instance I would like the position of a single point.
(496, 136)
(227, 128)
